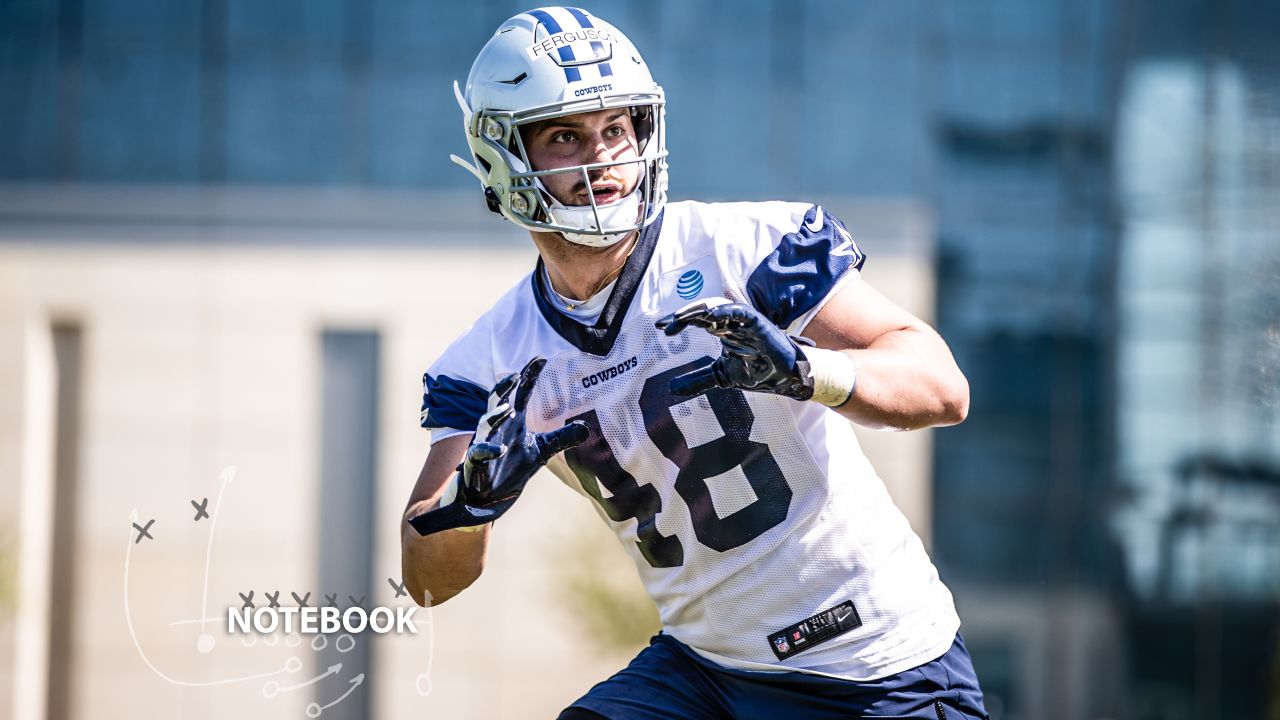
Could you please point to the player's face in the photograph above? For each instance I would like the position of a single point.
(583, 139)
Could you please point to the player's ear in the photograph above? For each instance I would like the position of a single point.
(641, 125)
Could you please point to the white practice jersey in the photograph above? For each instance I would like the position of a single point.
(756, 523)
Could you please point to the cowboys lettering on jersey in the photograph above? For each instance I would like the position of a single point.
(655, 361)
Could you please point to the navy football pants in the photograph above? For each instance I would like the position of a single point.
(668, 681)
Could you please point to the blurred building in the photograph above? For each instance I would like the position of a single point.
(1107, 213)
(227, 227)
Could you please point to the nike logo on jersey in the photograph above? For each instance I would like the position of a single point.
(816, 224)
(846, 247)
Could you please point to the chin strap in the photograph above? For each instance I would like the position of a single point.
(584, 217)
(468, 167)
(466, 126)
(466, 109)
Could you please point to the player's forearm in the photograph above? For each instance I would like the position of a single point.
(438, 566)
(907, 380)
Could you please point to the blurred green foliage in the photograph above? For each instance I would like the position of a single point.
(602, 592)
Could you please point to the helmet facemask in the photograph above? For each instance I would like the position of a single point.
(499, 146)
(596, 224)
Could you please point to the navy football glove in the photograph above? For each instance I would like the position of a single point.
(496, 468)
(755, 354)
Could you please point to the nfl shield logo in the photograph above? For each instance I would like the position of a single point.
(782, 644)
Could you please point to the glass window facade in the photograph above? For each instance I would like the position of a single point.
(763, 96)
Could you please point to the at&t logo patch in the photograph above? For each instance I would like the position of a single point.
(689, 285)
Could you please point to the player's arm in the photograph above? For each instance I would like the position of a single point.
(458, 499)
(874, 363)
(438, 566)
(904, 374)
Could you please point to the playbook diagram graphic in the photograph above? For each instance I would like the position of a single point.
(275, 680)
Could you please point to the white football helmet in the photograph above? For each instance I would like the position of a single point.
(547, 63)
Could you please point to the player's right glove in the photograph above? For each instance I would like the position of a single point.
(501, 458)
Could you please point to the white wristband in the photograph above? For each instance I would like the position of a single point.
(450, 491)
(834, 375)
(450, 496)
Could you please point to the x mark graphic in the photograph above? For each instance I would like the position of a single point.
(142, 531)
(398, 587)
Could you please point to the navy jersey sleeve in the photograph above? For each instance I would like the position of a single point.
(455, 389)
(810, 260)
(451, 402)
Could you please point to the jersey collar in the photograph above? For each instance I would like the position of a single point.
(598, 339)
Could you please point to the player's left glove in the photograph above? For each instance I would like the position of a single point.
(501, 459)
(755, 354)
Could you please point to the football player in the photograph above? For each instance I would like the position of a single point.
(691, 369)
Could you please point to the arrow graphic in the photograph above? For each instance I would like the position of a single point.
(273, 687)
(193, 621)
(224, 478)
(314, 709)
